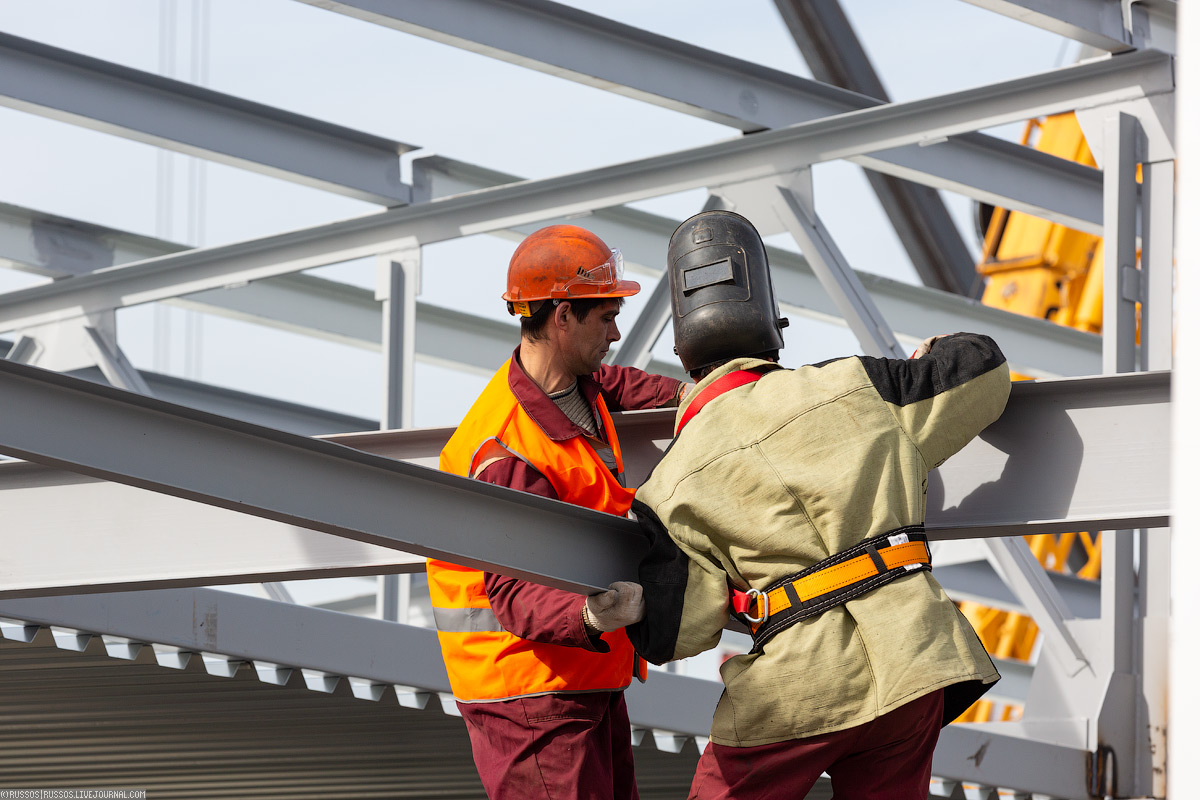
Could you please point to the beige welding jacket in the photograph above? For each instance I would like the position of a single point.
(774, 476)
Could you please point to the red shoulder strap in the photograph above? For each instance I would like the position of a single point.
(715, 389)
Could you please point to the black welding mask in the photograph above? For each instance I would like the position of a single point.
(722, 302)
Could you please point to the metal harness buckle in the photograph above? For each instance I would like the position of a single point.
(750, 595)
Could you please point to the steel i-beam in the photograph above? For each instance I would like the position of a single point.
(1107, 439)
(1113, 25)
(179, 116)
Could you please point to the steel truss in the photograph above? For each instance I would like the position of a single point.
(1079, 454)
(55, 246)
(762, 156)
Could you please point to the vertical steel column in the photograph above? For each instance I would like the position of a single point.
(397, 285)
(1154, 546)
(1117, 715)
(1183, 779)
(796, 210)
(1122, 134)
(1158, 263)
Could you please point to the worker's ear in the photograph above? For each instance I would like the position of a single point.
(560, 314)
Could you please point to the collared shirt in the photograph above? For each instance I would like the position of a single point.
(530, 610)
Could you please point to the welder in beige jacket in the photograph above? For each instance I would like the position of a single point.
(797, 499)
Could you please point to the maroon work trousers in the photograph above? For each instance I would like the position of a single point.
(553, 747)
(888, 758)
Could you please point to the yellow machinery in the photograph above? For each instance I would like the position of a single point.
(1040, 269)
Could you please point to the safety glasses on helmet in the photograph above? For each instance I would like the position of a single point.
(605, 276)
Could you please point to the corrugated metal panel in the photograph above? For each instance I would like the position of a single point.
(76, 712)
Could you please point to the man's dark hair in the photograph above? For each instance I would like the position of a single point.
(534, 327)
(700, 374)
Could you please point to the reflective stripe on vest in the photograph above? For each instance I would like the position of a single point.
(485, 662)
(466, 620)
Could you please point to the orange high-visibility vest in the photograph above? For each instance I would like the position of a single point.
(484, 661)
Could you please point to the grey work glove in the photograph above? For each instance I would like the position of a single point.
(621, 605)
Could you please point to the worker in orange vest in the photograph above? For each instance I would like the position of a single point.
(539, 673)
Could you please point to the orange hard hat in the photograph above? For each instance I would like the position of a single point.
(564, 262)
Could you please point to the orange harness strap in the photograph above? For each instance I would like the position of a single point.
(831, 582)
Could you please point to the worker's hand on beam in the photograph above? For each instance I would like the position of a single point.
(621, 605)
(927, 345)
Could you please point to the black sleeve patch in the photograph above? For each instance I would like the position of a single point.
(663, 574)
(952, 362)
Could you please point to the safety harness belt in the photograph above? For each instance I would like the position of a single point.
(855, 571)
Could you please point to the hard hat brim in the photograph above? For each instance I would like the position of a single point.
(622, 289)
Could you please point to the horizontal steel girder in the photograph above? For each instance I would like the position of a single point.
(204, 620)
(1097, 23)
(1078, 454)
(600, 52)
(48, 507)
(761, 156)
(998, 754)
(57, 246)
(190, 119)
(62, 527)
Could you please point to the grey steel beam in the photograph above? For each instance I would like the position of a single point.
(350, 315)
(61, 527)
(1123, 149)
(1028, 580)
(1040, 348)
(764, 155)
(1111, 25)
(234, 625)
(268, 411)
(45, 508)
(398, 284)
(55, 246)
(1081, 454)
(112, 361)
(1158, 265)
(978, 582)
(841, 283)
(1055, 447)
(1001, 754)
(599, 52)
(179, 116)
(110, 434)
(637, 344)
(929, 236)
